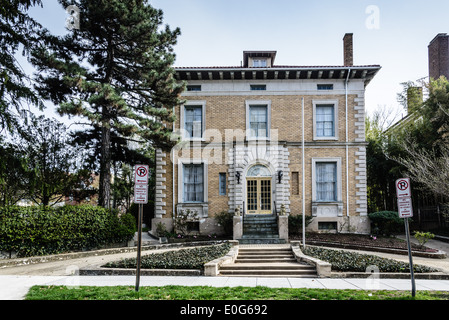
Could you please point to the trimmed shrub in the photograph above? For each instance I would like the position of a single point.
(31, 231)
(295, 224)
(386, 223)
(225, 219)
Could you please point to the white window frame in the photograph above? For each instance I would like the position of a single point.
(325, 102)
(181, 163)
(250, 103)
(192, 103)
(339, 179)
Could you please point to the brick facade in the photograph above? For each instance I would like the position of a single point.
(225, 96)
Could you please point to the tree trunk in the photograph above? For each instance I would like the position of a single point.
(104, 192)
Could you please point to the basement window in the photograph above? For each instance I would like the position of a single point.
(193, 226)
(327, 225)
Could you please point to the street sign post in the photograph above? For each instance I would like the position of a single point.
(405, 210)
(141, 177)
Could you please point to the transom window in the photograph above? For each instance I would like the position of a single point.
(258, 171)
(256, 87)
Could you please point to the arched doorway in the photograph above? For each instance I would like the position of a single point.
(258, 190)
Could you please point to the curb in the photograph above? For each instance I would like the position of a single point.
(390, 275)
(99, 271)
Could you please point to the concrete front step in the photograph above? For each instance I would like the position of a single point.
(267, 261)
(264, 260)
(259, 240)
(264, 266)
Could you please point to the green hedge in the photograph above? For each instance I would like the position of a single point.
(386, 223)
(31, 231)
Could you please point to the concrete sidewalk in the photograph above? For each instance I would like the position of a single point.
(16, 287)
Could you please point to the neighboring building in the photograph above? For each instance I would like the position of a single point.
(243, 144)
(439, 56)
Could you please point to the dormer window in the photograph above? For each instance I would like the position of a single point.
(258, 59)
(259, 63)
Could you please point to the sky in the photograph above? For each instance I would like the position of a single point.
(391, 33)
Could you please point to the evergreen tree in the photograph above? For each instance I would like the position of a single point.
(116, 71)
(17, 31)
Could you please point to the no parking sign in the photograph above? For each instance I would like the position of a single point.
(141, 174)
(404, 195)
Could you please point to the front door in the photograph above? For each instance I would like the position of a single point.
(258, 192)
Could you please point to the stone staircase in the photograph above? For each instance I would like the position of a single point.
(259, 229)
(267, 261)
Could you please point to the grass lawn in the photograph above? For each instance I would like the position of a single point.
(221, 293)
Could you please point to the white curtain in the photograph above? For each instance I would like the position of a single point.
(258, 121)
(325, 121)
(193, 121)
(193, 183)
(326, 181)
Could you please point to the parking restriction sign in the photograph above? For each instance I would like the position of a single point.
(141, 174)
(403, 188)
(405, 208)
(141, 193)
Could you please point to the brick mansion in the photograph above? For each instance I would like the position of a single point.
(267, 140)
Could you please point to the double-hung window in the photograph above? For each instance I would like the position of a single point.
(325, 121)
(193, 182)
(326, 181)
(193, 123)
(258, 118)
(325, 114)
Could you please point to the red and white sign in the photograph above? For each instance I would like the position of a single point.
(141, 193)
(405, 208)
(404, 193)
(403, 188)
(141, 174)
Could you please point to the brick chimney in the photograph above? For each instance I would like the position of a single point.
(439, 56)
(347, 50)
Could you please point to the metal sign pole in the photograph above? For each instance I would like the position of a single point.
(139, 246)
(407, 232)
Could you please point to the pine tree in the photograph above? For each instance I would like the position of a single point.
(115, 71)
(17, 31)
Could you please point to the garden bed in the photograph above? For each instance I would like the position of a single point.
(361, 241)
(193, 258)
(344, 261)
